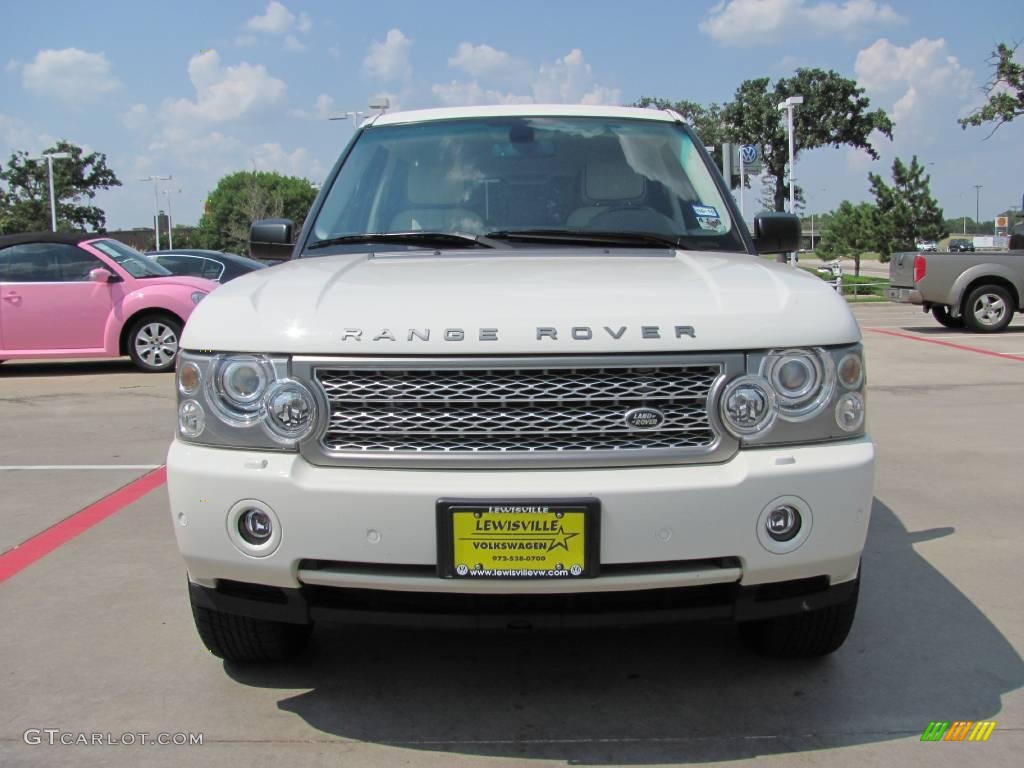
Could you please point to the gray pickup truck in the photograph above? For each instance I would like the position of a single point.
(977, 291)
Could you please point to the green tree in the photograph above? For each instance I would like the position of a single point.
(848, 231)
(835, 113)
(25, 191)
(241, 198)
(1005, 91)
(906, 211)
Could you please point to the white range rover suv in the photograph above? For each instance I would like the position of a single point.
(524, 366)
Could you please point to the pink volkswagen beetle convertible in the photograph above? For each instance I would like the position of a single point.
(80, 295)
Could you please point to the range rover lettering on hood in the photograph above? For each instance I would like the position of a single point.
(575, 333)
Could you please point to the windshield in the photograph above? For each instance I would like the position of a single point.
(134, 263)
(567, 174)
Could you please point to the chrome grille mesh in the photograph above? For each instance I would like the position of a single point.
(514, 411)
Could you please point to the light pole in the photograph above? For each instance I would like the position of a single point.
(789, 105)
(156, 204)
(49, 167)
(170, 220)
(977, 203)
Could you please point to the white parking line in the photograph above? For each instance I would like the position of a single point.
(22, 467)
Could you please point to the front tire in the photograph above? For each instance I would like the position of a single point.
(802, 635)
(944, 317)
(246, 640)
(989, 309)
(153, 343)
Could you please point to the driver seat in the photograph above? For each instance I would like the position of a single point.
(607, 184)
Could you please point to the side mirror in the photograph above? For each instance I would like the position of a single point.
(776, 232)
(101, 275)
(271, 239)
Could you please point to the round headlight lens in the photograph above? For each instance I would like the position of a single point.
(850, 412)
(237, 387)
(803, 380)
(198, 296)
(290, 411)
(243, 381)
(851, 371)
(749, 406)
(191, 419)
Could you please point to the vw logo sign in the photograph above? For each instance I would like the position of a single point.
(644, 418)
(750, 153)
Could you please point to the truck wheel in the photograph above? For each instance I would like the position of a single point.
(153, 343)
(244, 639)
(942, 314)
(802, 635)
(989, 309)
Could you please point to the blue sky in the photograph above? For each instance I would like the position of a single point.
(200, 89)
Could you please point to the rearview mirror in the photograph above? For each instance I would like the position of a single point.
(101, 275)
(776, 232)
(271, 239)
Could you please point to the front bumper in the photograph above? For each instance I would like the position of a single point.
(661, 528)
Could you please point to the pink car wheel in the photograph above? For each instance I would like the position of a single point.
(153, 343)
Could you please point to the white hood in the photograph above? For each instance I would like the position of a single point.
(523, 301)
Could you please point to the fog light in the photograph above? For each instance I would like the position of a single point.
(783, 523)
(255, 526)
(850, 412)
(191, 419)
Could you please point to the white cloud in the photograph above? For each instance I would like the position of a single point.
(12, 66)
(71, 75)
(389, 61)
(276, 20)
(484, 61)
(762, 22)
(915, 82)
(224, 93)
(136, 117)
(460, 94)
(325, 106)
(246, 41)
(271, 156)
(569, 79)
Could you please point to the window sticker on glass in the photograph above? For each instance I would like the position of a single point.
(708, 218)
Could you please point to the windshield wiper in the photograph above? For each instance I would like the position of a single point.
(586, 236)
(449, 239)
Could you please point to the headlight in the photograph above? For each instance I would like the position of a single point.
(237, 387)
(851, 370)
(803, 380)
(243, 401)
(198, 296)
(850, 412)
(749, 406)
(291, 410)
(798, 395)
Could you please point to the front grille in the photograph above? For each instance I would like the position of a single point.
(514, 411)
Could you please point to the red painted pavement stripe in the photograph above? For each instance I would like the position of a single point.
(963, 347)
(42, 544)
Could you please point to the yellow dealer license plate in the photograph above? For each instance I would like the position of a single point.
(517, 539)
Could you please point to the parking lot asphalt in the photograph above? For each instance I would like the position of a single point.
(97, 636)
